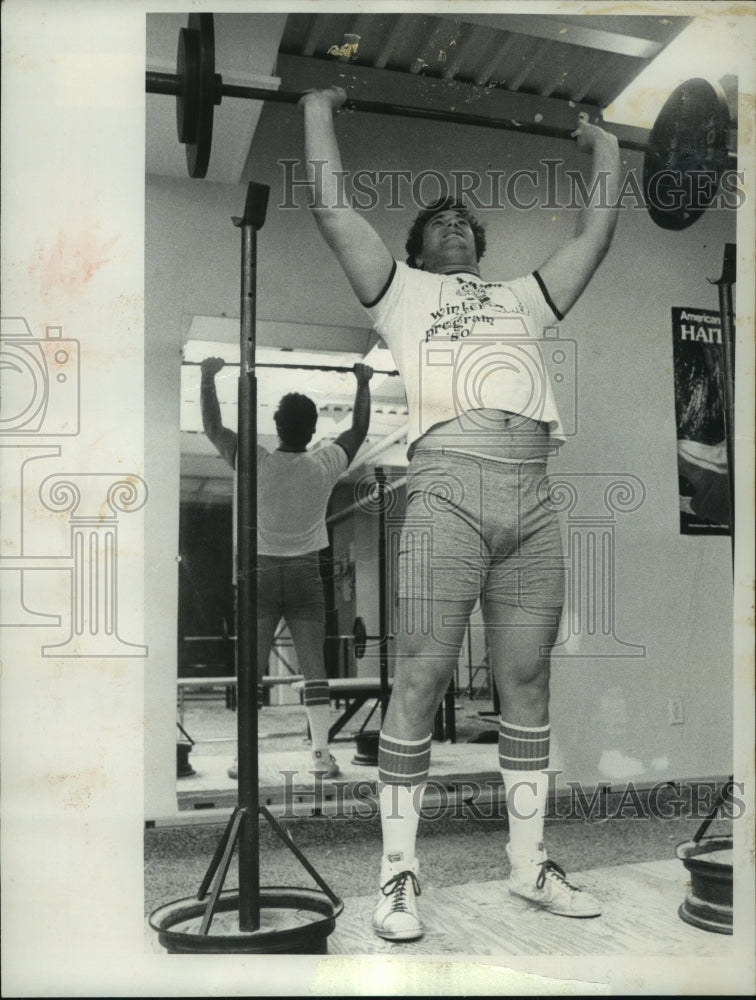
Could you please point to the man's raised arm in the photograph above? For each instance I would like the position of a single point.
(223, 438)
(360, 251)
(569, 270)
(351, 440)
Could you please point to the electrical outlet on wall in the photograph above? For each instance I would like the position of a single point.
(675, 713)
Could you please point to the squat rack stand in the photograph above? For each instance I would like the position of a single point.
(243, 824)
(724, 285)
(246, 529)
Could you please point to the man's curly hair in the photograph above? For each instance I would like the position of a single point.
(414, 244)
(295, 420)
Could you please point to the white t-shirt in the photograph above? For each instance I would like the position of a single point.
(462, 344)
(293, 489)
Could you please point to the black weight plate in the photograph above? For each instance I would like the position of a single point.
(187, 62)
(360, 638)
(687, 153)
(199, 90)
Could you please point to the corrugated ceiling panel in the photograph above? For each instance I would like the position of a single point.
(590, 64)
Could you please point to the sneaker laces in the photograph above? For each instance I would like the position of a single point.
(398, 886)
(549, 867)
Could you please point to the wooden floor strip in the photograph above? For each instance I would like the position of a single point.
(482, 918)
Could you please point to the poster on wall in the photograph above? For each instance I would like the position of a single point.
(700, 420)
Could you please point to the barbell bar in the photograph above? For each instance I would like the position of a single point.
(689, 137)
(296, 367)
(358, 637)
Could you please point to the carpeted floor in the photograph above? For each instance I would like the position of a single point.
(453, 850)
(346, 852)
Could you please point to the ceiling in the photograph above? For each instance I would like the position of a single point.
(580, 58)
(541, 68)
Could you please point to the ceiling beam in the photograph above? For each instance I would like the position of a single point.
(558, 29)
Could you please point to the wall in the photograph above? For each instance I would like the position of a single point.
(673, 592)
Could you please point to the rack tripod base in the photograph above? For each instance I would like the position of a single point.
(366, 743)
(183, 768)
(708, 905)
(277, 920)
(293, 921)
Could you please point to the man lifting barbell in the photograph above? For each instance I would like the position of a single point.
(476, 471)
(293, 489)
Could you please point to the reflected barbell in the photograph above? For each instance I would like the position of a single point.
(296, 367)
(358, 637)
(686, 152)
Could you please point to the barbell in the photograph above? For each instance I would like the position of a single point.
(686, 152)
(295, 367)
(358, 637)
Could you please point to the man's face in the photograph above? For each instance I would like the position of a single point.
(448, 243)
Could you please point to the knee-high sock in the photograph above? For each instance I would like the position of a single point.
(318, 707)
(402, 772)
(523, 760)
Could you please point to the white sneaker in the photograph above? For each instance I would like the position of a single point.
(323, 762)
(545, 883)
(233, 771)
(395, 917)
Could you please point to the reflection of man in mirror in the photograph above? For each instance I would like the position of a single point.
(293, 489)
(701, 444)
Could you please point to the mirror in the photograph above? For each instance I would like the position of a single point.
(349, 567)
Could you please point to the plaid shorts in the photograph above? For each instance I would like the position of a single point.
(477, 527)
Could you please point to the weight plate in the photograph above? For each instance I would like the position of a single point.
(359, 633)
(187, 62)
(195, 66)
(687, 154)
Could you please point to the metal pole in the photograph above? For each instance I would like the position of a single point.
(380, 478)
(450, 698)
(725, 284)
(246, 645)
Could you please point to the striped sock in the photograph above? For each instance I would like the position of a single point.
(523, 748)
(260, 696)
(318, 707)
(523, 760)
(403, 767)
(403, 762)
(316, 693)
